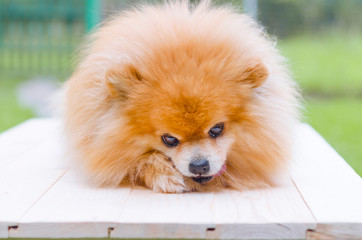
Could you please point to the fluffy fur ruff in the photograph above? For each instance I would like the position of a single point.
(180, 68)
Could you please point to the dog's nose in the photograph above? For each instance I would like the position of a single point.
(200, 166)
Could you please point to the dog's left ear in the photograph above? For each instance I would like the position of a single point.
(255, 75)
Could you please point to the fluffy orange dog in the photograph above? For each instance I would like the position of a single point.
(181, 98)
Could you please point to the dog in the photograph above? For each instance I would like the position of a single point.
(179, 97)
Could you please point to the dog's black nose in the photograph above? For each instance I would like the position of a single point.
(200, 166)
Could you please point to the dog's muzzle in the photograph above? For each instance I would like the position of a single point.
(200, 166)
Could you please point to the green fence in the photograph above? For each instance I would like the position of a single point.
(40, 36)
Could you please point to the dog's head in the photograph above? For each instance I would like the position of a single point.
(186, 104)
(184, 98)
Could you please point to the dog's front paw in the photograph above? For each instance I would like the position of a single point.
(158, 174)
(169, 184)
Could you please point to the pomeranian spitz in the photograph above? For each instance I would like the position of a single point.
(179, 97)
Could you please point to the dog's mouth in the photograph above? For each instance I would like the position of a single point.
(205, 179)
(201, 179)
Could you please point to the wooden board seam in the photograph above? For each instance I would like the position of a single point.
(310, 210)
(342, 222)
(26, 211)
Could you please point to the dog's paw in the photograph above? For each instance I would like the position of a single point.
(159, 174)
(169, 184)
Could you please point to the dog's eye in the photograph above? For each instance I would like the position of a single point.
(169, 140)
(216, 130)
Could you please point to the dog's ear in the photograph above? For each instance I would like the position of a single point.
(120, 80)
(255, 75)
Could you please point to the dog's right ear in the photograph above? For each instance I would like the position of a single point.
(119, 80)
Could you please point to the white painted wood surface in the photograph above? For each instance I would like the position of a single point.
(41, 196)
(331, 188)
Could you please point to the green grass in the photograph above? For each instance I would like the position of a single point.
(339, 121)
(329, 68)
(328, 65)
(11, 113)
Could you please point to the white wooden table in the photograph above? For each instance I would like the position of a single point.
(41, 196)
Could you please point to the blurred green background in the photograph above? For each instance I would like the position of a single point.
(322, 40)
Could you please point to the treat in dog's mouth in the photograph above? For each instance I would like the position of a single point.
(205, 179)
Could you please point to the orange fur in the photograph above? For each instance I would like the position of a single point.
(169, 69)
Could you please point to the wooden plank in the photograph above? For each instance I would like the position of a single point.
(330, 187)
(27, 174)
(48, 153)
(268, 214)
(204, 231)
(3, 231)
(62, 230)
(20, 190)
(336, 231)
(17, 140)
(72, 208)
